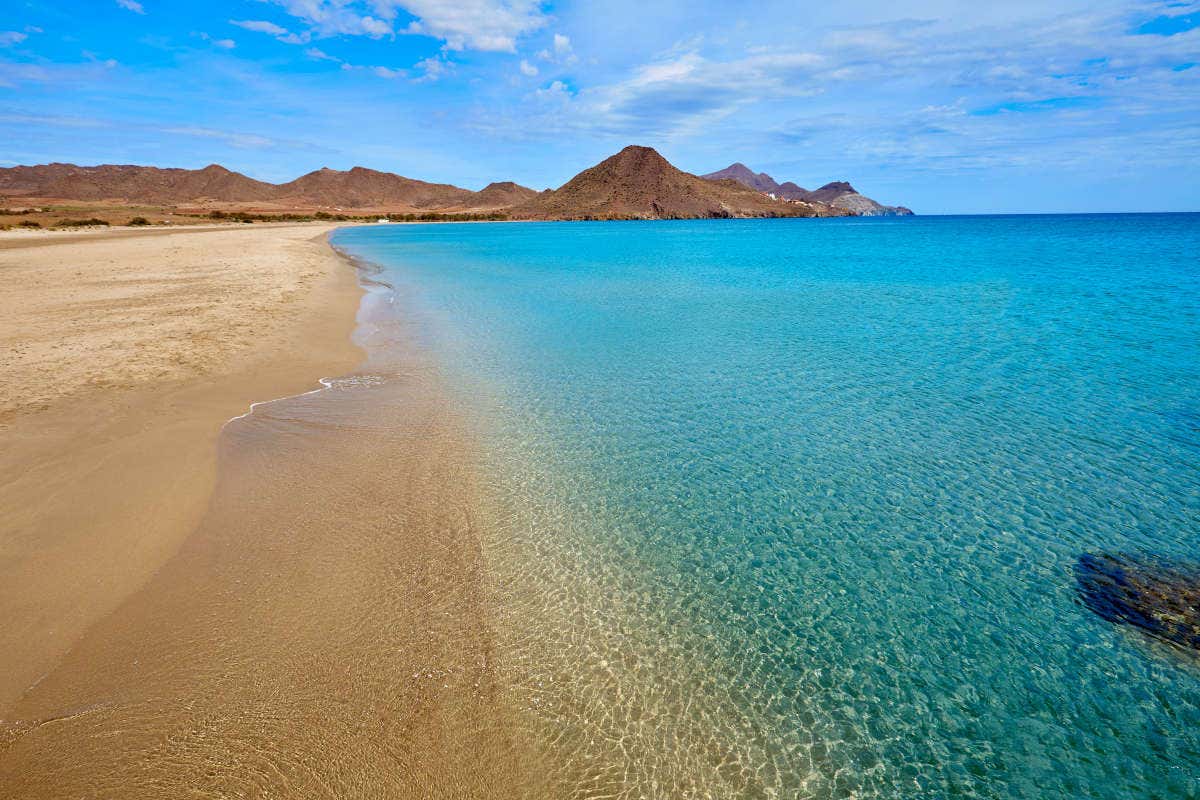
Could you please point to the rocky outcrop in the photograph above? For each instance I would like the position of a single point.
(1160, 598)
(838, 194)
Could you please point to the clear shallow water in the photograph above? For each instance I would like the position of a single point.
(790, 507)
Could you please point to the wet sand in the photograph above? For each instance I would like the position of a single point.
(294, 609)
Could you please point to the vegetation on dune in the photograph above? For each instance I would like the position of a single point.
(137, 221)
(325, 216)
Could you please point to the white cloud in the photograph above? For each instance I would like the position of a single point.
(1040, 89)
(491, 25)
(336, 18)
(433, 68)
(224, 44)
(271, 29)
(321, 55)
(9, 38)
(562, 52)
(260, 25)
(475, 24)
(528, 69)
(556, 91)
(54, 121)
(388, 72)
(131, 5)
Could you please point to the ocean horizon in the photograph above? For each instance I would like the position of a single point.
(795, 507)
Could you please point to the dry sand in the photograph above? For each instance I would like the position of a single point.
(123, 352)
(298, 607)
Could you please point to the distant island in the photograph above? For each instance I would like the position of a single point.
(636, 183)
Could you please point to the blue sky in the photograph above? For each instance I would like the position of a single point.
(943, 106)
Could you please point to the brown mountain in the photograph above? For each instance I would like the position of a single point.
(367, 188)
(501, 195)
(791, 191)
(739, 172)
(639, 183)
(838, 194)
(635, 183)
(841, 194)
(355, 188)
(831, 191)
(131, 183)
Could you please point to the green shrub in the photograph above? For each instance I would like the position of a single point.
(29, 223)
(217, 215)
(139, 221)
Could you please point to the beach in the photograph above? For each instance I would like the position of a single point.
(124, 354)
(195, 604)
(452, 511)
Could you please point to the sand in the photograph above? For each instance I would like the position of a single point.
(290, 604)
(123, 353)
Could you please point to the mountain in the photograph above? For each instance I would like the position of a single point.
(324, 188)
(367, 188)
(635, 183)
(841, 194)
(739, 172)
(131, 183)
(832, 191)
(838, 194)
(501, 195)
(790, 191)
(639, 183)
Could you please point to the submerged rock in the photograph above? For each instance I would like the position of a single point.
(1160, 597)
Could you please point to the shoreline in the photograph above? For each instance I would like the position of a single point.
(130, 374)
(321, 622)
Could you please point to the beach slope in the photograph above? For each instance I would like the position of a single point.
(123, 353)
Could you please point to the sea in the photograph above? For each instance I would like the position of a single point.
(793, 508)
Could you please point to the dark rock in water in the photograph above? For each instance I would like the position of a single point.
(1159, 597)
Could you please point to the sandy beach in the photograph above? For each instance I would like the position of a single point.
(124, 352)
(292, 603)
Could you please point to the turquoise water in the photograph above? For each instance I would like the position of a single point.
(789, 508)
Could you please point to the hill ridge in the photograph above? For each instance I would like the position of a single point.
(637, 182)
(839, 194)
